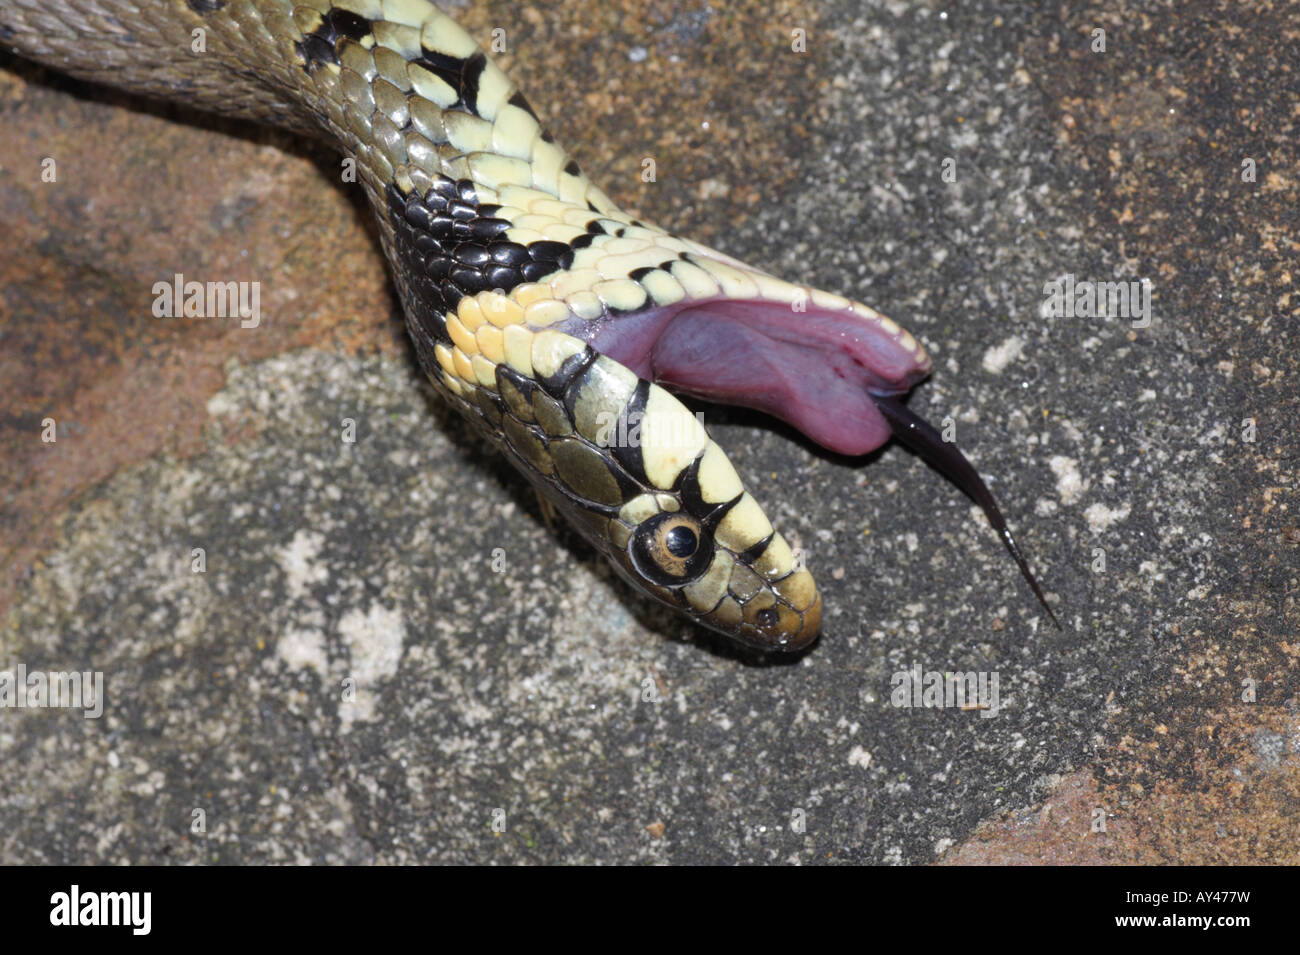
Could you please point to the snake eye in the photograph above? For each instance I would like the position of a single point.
(671, 549)
(681, 541)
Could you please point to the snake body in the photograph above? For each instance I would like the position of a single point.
(551, 319)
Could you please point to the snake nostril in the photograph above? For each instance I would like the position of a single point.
(767, 617)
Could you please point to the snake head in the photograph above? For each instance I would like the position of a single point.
(567, 371)
(637, 474)
(706, 547)
(721, 563)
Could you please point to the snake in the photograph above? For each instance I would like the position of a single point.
(564, 329)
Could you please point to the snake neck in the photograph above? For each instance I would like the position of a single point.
(398, 85)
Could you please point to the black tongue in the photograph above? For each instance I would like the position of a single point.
(943, 456)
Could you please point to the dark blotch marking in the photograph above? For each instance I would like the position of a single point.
(469, 80)
(315, 51)
(522, 102)
(594, 228)
(485, 229)
(524, 386)
(751, 554)
(321, 45)
(549, 250)
(446, 245)
(546, 257)
(205, 6)
(572, 169)
(348, 24)
(470, 281)
(508, 253)
(474, 256)
(630, 457)
(503, 276)
(446, 68)
(444, 187)
(570, 369)
(345, 23)
(688, 489)
(536, 271)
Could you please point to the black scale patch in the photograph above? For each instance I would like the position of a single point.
(751, 554)
(518, 99)
(687, 486)
(320, 46)
(567, 381)
(461, 75)
(450, 245)
(692, 497)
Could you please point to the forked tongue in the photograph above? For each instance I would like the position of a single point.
(943, 456)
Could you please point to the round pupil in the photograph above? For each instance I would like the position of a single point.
(680, 541)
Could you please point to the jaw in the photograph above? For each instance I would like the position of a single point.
(815, 368)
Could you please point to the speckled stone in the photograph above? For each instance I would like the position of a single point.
(531, 688)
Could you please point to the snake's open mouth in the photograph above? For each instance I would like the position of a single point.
(836, 374)
(815, 368)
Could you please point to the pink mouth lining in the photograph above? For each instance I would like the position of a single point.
(815, 369)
